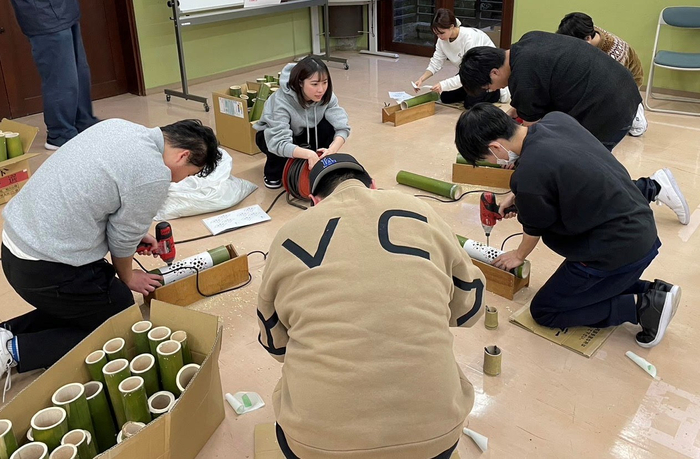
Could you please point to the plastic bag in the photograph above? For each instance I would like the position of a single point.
(199, 195)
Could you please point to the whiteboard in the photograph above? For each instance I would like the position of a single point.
(193, 6)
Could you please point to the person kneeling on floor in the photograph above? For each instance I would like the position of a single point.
(571, 192)
(357, 299)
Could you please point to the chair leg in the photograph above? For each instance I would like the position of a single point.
(650, 94)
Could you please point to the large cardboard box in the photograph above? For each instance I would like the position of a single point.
(180, 434)
(233, 126)
(15, 172)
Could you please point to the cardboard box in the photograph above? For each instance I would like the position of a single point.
(233, 126)
(180, 434)
(15, 172)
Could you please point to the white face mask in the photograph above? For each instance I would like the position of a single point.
(512, 157)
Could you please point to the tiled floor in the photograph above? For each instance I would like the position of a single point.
(548, 402)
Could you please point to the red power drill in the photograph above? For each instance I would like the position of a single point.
(166, 243)
(488, 212)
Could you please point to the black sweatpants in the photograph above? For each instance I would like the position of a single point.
(274, 166)
(460, 95)
(70, 303)
(577, 295)
(289, 454)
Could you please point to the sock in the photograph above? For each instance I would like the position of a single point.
(13, 348)
(657, 187)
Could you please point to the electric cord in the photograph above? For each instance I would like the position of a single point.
(506, 239)
(460, 196)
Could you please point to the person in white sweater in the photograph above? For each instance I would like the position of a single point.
(453, 43)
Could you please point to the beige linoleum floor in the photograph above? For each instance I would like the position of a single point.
(548, 402)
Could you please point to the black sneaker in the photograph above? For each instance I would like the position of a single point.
(664, 286)
(272, 184)
(655, 310)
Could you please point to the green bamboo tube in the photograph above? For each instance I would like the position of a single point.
(246, 99)
(263, 94)
(181, 337)
(3, 147)
(144, 365)
(8, 441)
(130, 429)
(219, 255)
(135, 400)
(14, 145)
(185, 375)
(33, 450)
(115, 349)
(270, 78)
(446, 189)
(30, 435)
(418, 100)
(157, 336)
(82, 441)
(66, 452)
(160, 403)
(101, 413)
(252, 94)
(235, 91)
(95, 362)
(71, 398)
(140, 332)
(261, 80)
(49, 426)
(115, 372)
(169, 363)
(92, 446)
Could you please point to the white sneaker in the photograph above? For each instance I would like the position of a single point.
(50, 146)
(639, 125)
(6, 360)
(671, 195)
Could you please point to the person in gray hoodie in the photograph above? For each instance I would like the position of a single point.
(301, 120)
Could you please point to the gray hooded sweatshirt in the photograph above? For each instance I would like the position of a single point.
(283, 117)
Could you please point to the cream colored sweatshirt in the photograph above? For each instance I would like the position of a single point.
(357, 299)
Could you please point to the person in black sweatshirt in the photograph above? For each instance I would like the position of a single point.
(547, 72)
(571, 192)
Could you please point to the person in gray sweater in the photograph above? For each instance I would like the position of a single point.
(300, 120)
(96, 194)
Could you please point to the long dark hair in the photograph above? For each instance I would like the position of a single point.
(304, 70)
(579, 25)
(443, 19)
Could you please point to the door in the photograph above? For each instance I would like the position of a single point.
(110, 54)
(405, 24)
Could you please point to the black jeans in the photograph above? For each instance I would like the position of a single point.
(70, 303)
(460, 95)
(274, 166)
(289, 454)
(65, 83)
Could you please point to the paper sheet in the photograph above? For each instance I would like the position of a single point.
(236, 219)
(425, 86)
(399, 96)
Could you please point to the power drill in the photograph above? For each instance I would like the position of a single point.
(488, 212)
(166, 243)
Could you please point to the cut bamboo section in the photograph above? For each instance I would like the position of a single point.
(186, 375)
(66, 452)
(140, 331)
(71, 398)
(102, 420)
(82, 440)
(135, 400)
(115, 349)
(445, 189)
(33, 450)
(129, 430)
(157, 336)
(419, 100)
(160, 403)
(115, 372)
(8, 441)
(49, 426)
(144, 365)
(181, 337)
(95, 362)
(170, 363)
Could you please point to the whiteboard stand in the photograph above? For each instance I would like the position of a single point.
(372, 38)
(180, 21)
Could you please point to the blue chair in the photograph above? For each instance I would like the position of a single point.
(687, 17)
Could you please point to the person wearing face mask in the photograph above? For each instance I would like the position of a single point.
(571, 192)
(301, 120)
(452, 44)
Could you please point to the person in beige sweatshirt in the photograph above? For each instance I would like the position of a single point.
(357, 300)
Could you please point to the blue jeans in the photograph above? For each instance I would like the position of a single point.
(65, 83)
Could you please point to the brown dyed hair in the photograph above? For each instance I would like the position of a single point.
(443, 19)
(304, 70)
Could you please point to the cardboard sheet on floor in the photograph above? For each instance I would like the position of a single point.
(582, 340)
(266, 446)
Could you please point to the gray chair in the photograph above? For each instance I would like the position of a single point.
(687, 17)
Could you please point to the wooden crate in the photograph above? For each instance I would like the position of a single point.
(484, 176)
(501, 282)
(211, 281)
(394, 114)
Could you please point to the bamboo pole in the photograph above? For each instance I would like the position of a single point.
(115, 372)
(144, 365)
(157, 336)
(170, 362)
(95, 362)
(8, 441)
(445, 189)
(102, 419)
(185, 375)
(160, 403)
(263, 94)
(140, 331)
(49, 426)
(115, 349)
(418, 100)
(81, 440)
(33, 450)
(71, 398)
(181, 337)
(135, 400)
(66, 452)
